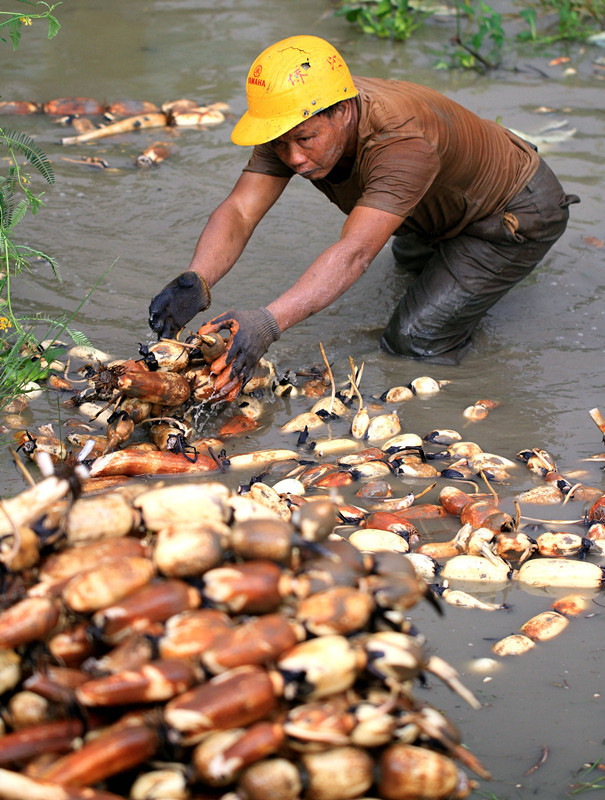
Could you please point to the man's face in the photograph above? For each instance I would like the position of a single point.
(314, 147)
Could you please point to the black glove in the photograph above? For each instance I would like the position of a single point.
(252, 334)
(177, 303)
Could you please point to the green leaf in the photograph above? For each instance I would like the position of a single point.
(78, 337)
(36, 156)
(53, 26)
(17, 214)
(26, 253)
(35, 203)
(14, 31)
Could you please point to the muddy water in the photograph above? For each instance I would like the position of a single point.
(539, 352)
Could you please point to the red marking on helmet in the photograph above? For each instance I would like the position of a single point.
(298, 76)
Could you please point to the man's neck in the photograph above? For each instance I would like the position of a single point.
(343, 169)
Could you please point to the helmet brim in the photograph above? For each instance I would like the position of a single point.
(251, 130)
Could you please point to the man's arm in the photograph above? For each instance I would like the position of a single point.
(231, 224)
(219, 246)
(364, 234)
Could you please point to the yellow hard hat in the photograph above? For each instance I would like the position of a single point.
(288, 83)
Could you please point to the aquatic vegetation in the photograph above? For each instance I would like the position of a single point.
(480, 36)
(562, 20)
(396, 19)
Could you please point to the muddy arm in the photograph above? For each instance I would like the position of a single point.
(231, 224)
(364, 234)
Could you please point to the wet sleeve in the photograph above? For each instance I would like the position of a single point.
(264, 160)
(395, 175)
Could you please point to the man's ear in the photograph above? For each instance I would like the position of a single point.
(345, 107)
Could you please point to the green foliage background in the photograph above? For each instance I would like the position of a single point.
(479, 35)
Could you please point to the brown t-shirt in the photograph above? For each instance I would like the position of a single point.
(423, 157)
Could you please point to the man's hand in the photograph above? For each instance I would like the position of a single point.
(252, 334)
(177, 303)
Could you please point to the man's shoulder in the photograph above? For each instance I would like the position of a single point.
(380, 85)
(389, 101)
(388, 108)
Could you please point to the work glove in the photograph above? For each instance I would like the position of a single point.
(177, 303)
(252, 333)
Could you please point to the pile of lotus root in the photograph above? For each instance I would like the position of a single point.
(177, 639)
(172, 637)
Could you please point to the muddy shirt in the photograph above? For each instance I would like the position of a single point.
(423, 157)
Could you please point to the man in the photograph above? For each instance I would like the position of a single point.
(473, 208)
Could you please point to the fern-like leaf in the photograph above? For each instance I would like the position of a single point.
(59, 325)
(78, 337)
(26, 253)
(7, 205)
(17, 213)
(27, 146)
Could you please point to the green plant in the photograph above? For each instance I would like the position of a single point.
(14, 20)
(396, 19)
(23, 357)
(574, 20)
(479, 37)
(590, 782)
(530, 15)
